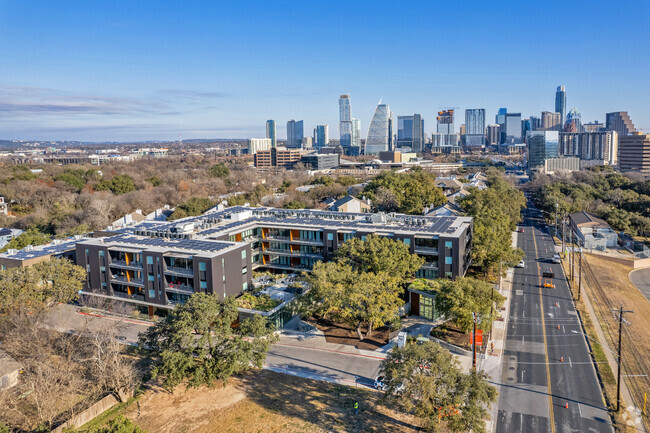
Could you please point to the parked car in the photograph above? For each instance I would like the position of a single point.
(556, 259)
(381, 386)
(521, 264)
(520, 230)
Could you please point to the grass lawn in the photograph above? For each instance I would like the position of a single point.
(264, 402)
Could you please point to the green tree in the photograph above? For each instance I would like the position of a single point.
(154, 181)
(76, 178)
(425, 379)
(28, 237)
(295, 204)
(219, 171)
(356, 298)
(379, 254)
(496, 210)
(122, 184)
(192, 207)
(197, 341)
(41, 285)
(410, 192)
(458, 299)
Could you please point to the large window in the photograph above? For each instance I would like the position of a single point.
(429, 274)
(431, 243)
(427, 308)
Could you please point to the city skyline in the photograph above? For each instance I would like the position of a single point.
(119, 72)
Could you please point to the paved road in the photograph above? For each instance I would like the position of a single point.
(292, 355)
(641, 279)
(545, 368)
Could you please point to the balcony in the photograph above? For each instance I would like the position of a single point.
(292, 253)
(186, 272)
(180, 288)
(135, 297)
(295, 240)
(127, 282)
(426, 251)
(287, 267)
(123, 264)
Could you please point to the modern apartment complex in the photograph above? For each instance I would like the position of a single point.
(634, 152)
(600, 147)
(277, 157)
(159, 264)
(620, 122)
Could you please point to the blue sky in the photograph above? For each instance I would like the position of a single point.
(139, 70)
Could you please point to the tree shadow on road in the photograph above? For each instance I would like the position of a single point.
(328, 406)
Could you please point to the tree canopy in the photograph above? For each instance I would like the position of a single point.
(426, 380)
(197, 341)
(622, 202)
(409, 192)
(496, 211)
(219, 171)
(379, 254)
(32, 236)
(458, 299)
(40, 285)
(120, 184)
(191, 207)
(363, 284)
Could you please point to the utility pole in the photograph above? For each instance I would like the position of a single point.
(563, 246)
(474, 343)
(620, 329)
(556, 205)
(580, 274)
(573, 257)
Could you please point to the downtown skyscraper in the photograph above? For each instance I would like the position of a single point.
(380, 131)
(294, 134)
(560, 103)
(475, 127)
(271, 132)
(321, 136)
(410, 132)
(345, 119)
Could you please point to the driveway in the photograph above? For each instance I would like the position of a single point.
(641, 279)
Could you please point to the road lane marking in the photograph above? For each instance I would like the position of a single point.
(548, 371)
(570, 365)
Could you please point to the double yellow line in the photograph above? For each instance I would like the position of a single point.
(548, 371)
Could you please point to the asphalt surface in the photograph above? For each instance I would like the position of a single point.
(641, 279)
(546, 363)
(291, 355)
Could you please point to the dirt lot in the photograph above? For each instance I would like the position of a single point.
(341, 333)
(609, 287)
(452, 334)
(265, 402)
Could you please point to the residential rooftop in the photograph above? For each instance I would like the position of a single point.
(197, 247)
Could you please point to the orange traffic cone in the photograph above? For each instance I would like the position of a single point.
(566, 405)
(558, 326)
(561, 358)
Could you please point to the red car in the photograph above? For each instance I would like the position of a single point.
(520, 230)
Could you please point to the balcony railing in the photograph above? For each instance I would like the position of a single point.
(125, 281)
(181, 288)
(123, 263)
(426, 251)
(179, 270)
(127, 296)
(292, 253)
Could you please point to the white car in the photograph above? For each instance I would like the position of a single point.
(521, 264)
(556, 259)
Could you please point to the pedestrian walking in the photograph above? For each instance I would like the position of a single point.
(356, 408)
(492, 347)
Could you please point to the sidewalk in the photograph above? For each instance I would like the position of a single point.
(493, 362)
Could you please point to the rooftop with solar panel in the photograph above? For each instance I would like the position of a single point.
(220, 222)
